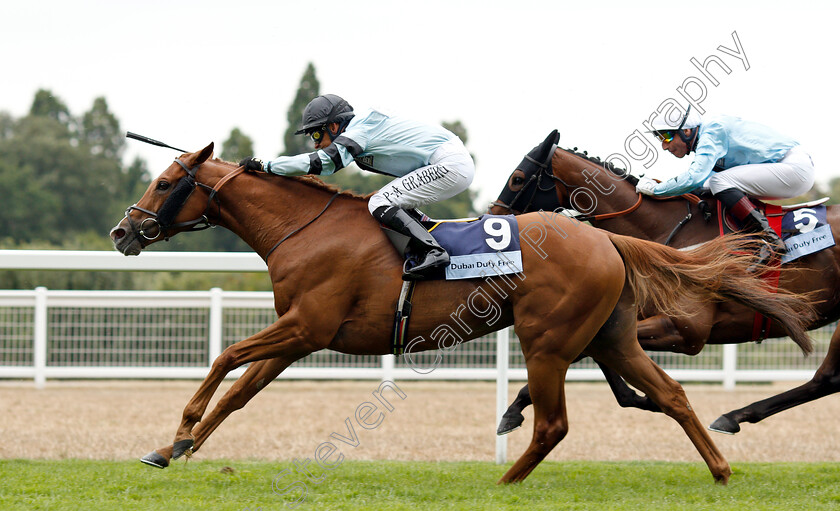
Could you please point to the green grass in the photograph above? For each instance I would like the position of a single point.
(379, 485)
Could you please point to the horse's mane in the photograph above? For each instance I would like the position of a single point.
(618, 171)
(316, 182)
(308, 180)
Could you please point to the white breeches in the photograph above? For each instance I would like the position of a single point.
(450, 172)
(790, 177)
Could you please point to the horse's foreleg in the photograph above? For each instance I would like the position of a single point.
(512, 418)
(826, 381)
(286, 340)
(641, 372)
(256, 377)
(545, 381)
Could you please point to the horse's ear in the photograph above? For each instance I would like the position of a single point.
(205, 153)
(544, 151)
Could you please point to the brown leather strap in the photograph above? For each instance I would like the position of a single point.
(607, 216)
(223, 181)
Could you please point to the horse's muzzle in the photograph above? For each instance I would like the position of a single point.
(125, 241)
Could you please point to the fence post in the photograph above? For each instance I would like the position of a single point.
(39, 347)
(502, 356)
(216, 315)
(730, 364)
(388, 367)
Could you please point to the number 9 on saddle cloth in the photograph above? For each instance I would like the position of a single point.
(481, 247)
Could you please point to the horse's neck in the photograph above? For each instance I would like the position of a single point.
(653, 220)
(263, 213)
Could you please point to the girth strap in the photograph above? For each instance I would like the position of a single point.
(401, 317)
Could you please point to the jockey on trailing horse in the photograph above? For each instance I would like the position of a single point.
(743, 158)
(430, 163)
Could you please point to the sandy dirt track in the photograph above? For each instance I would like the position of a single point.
(449, 421)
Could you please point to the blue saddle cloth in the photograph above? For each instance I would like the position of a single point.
(805, 231)
(486, 246)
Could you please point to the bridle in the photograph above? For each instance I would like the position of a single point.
(537, 179)
(178, 198)
(164, 217)
(544, 173)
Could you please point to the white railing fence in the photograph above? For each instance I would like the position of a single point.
(48, 334)
(54, 334)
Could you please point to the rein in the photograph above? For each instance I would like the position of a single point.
(607, 216)
(304, 226)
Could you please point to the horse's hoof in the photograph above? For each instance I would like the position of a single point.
(509, 423)
(153, 459)
(724, 424)
(182, 447)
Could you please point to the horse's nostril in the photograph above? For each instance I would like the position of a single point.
(117, 233)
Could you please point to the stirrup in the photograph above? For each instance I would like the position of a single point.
(765, 256)
(776, 244)
(432, 260)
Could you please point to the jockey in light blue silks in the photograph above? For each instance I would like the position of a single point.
(738, 158)
(430, 163)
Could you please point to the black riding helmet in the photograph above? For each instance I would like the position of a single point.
(324, 110)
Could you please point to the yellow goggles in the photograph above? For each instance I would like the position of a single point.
(318, 134)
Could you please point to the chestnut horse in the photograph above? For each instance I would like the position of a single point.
(336, 278)
(551, 178)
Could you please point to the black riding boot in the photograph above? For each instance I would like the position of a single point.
(433, 255)
(744, 210)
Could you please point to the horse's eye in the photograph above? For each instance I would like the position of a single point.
(518, 180)
(163, 185)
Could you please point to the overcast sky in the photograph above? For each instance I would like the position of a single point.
(187, 72)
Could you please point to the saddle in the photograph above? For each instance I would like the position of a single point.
(400, 240)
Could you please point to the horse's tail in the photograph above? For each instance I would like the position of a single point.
(671, 280)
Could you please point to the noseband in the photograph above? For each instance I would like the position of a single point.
(163, 219)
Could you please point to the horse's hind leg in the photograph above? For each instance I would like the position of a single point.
(548, 354)
(639, 370)
(626, 397)
(677, 335)
(826, 381)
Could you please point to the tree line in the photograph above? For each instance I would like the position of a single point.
(64, 185)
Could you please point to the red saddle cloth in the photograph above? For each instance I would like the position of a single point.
(774, 214)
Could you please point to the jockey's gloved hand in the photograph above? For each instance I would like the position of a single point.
(646, 186)
(252, 164)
